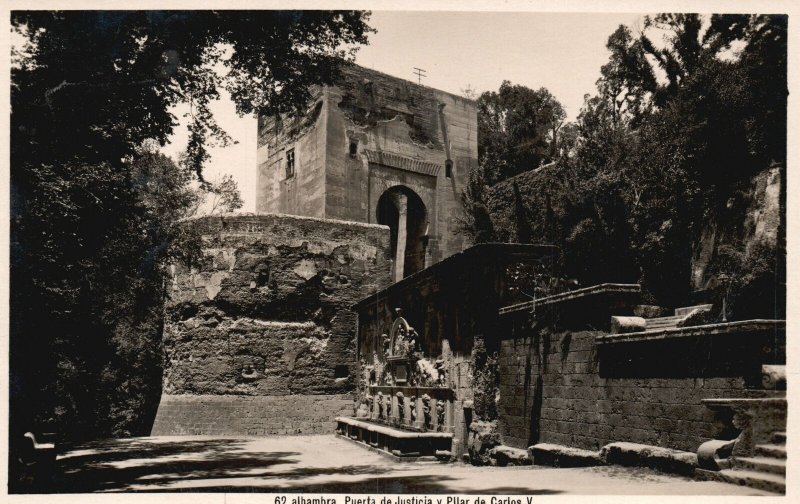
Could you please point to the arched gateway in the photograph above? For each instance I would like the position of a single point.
(404, 212)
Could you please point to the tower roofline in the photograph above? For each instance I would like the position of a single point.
(407, 81)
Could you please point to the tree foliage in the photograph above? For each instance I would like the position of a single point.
(95, 84)
(517, 130)
(678, 124)
(93, 213)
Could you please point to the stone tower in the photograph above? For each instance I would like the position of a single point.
(375, 149)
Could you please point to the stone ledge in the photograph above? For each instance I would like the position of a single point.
(620, 453)
(654, 457)
(508, 456)
(745, 402)
(389, 431)
(384, 453)
(563, 456)
(249, 218)
(594, 290)
(725, 328)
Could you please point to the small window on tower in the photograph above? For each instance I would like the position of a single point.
(448, 168)
(290, 163)
(353, 148)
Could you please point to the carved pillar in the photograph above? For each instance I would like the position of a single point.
(401, 202)
(395, 418)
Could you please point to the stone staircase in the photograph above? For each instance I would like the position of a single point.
(641, 323)
(765, 470)
(668, 322)
(659, 323)
(757, 457)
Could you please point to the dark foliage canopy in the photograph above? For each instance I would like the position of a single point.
(684, 116)
(517, 127)
(94, 211)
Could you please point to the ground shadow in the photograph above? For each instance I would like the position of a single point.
(119, 465)
(413, 484)
(168, 462)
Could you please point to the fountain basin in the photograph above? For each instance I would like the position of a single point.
(398, 443)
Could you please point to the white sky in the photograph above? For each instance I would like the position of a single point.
(561, 52)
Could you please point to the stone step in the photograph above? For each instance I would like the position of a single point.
(771, 450)
(661, 322)
(779, 437)
(686, 310)
(760, 464)
(762, 481)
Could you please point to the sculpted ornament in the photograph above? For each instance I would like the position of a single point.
(403, 339)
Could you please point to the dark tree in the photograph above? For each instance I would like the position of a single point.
(517, 130)
(92, 213)
(665, 148)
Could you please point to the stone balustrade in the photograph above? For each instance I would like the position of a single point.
(426, 409)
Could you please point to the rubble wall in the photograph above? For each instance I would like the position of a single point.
(261, 323)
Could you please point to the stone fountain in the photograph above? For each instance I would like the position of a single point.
(405, 407)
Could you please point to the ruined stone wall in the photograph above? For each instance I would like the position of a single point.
(262, 323)
(560, 387)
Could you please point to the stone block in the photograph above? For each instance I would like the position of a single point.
(622, 325)
(664, 459)
(650, 311)
(563, 456)
(508, 456)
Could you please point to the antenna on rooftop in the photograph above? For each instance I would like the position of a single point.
(420, 73)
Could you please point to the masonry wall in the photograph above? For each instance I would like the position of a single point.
(305, 135)
(402, 134)
(557, 386)
(225, 415)
(262, 322)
